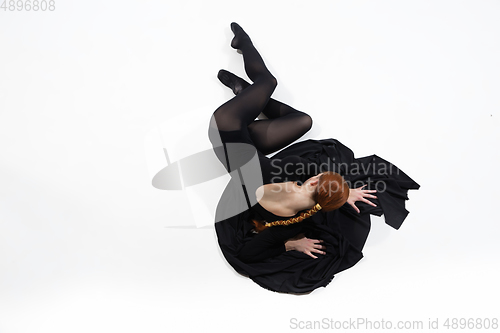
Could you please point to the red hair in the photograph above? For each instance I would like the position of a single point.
(331, 192)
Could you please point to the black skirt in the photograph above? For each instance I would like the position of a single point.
(344, 231)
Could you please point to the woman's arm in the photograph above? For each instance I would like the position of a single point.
(274, 241)
(268, 243)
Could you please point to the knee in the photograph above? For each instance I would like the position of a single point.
(267, 81)
(273, 81)
(307, 122)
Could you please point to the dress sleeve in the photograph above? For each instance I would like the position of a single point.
(268, 243)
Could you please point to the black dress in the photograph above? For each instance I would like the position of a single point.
(263, 257)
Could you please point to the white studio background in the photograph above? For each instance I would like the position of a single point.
(88, 245)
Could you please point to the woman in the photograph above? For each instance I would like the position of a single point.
(287, 237)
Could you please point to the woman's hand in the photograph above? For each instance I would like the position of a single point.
(358, 194)
(306, 245)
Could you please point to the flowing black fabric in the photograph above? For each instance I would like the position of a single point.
(343, 231)
(241, 144)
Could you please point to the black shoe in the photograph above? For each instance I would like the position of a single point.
(240, 36)
(236, 83)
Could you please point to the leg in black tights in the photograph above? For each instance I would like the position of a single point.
(284, 125)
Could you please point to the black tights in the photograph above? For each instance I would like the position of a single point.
(285, 124)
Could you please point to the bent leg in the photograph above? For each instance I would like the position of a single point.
(284, 126)
(270, 135)
(242, 109)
